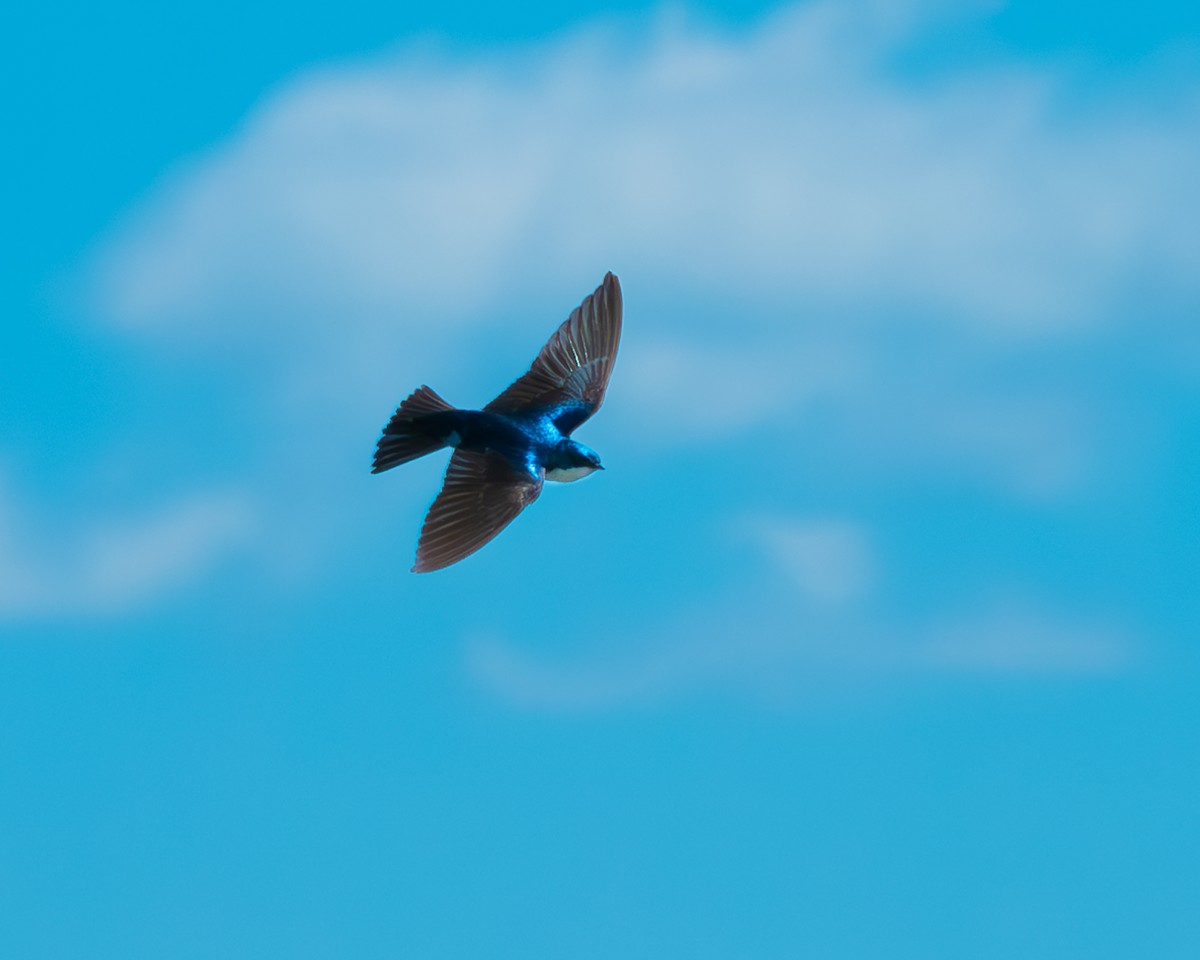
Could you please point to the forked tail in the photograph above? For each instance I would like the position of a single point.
(403, 439)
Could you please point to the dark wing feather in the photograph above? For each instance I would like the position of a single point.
(482, 494)
(571, 373)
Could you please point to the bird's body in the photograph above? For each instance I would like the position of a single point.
(505, 451)
(530, 441)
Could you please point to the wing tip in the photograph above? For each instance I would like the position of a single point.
(613, 299)
(610, 286)
(423, 564)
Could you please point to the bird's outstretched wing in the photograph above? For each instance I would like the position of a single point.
(571, 373)
(482, 494)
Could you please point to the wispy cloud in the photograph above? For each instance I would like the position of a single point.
(1014, 639)
(793, 163)
(114, 565)
(823, 640)
(830, 560)
(711, 391)
(817, 243)
(789, 206)
(785, 655)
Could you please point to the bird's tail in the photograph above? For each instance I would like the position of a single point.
(403, 439)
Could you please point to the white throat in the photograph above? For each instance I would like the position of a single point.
(568, 474)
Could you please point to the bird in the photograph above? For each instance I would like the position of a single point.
(504, 452)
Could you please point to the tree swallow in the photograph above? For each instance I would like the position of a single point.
(503, 452)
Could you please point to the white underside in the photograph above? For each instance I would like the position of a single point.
(569, 474)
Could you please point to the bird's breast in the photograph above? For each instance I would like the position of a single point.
(568, 474)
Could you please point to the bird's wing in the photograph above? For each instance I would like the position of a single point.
(482, 494)
(571, 373)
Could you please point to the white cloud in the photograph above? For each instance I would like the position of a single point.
(787, 656)
(115, 566)
(715, 391)
(886, 413)
(789, 164)
(786, 207)
(1035, 443)
(823, 640)
(525, 681)
(1013, 640)
(830, 560)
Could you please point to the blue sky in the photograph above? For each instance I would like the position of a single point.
(876, 638)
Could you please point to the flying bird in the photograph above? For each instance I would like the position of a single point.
(504, 452)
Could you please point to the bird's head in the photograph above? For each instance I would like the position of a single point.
(573, 461)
